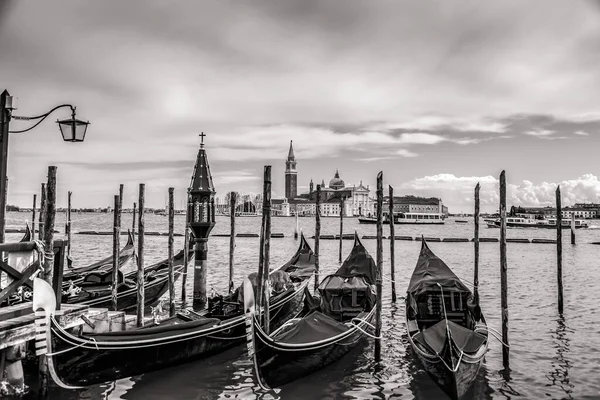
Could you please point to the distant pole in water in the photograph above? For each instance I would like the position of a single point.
(33, 216)
(115, 259)
(503, 270)
(170, 253)
(379, 265)
(133, 220)
(392, 245)
(573, 228)
(232, 203)
(186, 248)
(68, 230)
(296, 230)
(317, 234)
(140, 264)
(42, 212)
(120, 204)
(559, 250)
(341, 227)
(476, 246)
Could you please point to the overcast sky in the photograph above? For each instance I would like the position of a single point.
(437, 94)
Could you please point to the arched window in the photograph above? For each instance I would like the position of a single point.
(212, 206)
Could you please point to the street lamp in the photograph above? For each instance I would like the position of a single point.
(72, 130)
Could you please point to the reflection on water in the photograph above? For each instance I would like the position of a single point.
(505, 387)
(559, 376)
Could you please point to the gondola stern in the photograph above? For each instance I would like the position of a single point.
(44, 307)
(249, 311)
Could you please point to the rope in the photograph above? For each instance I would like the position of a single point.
(492, 333)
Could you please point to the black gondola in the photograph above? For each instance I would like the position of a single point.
(326, 332)
(126, 255)
(86, 359)
(95, 288)
(446, 329)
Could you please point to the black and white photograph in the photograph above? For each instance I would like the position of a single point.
(299, 199)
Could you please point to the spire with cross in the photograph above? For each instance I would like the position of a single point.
(202, 135)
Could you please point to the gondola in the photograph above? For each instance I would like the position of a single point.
(325, 333)
(446, 328)
(86, 359)
(126, 255)
(95, 288)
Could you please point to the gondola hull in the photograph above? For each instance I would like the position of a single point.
(100, 361)
(278, 367)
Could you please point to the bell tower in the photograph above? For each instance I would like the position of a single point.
(291, 175)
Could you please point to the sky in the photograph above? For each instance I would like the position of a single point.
(438, 95)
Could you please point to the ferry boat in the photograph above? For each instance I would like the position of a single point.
(420, 218)
(409, 219)
(550, 223)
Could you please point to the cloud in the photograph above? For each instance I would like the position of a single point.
(234, 176)
(540, 133)
(406, 153)
(581, 133)
(457, 191)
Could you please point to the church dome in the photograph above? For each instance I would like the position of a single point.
(337, 182)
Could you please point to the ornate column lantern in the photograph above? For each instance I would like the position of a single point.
(201, 219)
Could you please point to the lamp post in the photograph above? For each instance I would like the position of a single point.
(201, 219)
(72, 130)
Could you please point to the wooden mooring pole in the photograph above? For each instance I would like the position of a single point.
(115, 259)
(296, 233)
(559, 250)
(573, 228)
(476, 246)
(140, 263)
(341, 228)
(232, 203)
(267, 257)
(186, 249)
(263, 274)
(68, 230)
(49, 198)
(503, 271)
(33, 216)
(317, 234)
(170, 253)
(42, 212)
(379, 266)
(392, 244)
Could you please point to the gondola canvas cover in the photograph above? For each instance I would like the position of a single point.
(430, 271)
(303, 262)
(316, 326)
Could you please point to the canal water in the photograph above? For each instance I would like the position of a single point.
(552, 357)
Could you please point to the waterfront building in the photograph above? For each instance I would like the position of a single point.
(414, 204)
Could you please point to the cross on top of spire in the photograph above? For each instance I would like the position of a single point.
(202, 139)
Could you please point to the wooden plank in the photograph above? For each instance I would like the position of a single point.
(22, 329)
(17, 310)
(17, 246)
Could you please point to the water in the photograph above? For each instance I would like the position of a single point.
(551, 357)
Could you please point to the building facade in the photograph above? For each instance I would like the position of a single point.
(415, 204)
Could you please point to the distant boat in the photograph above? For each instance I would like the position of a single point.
(518, 222)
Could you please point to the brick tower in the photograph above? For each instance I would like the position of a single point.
(291, 175)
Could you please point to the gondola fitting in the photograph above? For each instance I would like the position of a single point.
(327, 330)
(77, 360)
